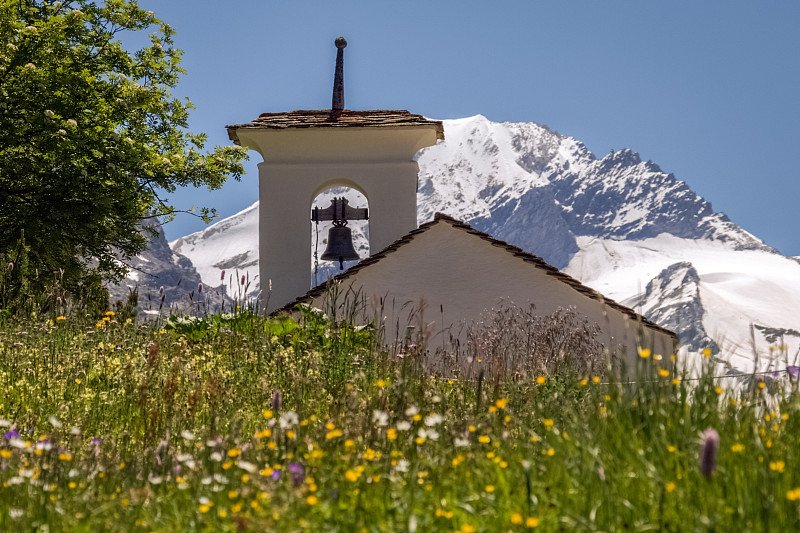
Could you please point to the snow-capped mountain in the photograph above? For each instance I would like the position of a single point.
(618, 224)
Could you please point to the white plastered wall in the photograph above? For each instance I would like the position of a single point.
(457, 276)
(300, 163)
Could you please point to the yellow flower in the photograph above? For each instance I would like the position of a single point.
(793, 495)
(670, 486)
(65, 457)
(736, 448)
(205, 507)
(644, 353)
(540, 380)
(391, 433)
(267, 413)
(501, 403)
(110, 313)
(419, 440)
(484, 439)
(718, 390)
(106, 319)
(777, 466)
(516, 518)
(663, 372)
(489, 488)
(472, 428)
(548, 422)
(466, 528)
(352, 475)
(492, 409)
(333, 434)
(380, 383)
(312, 500)
(596, 379)
(60, 318)
(551, 452)
(761, 384)
(706, 352)
(531, 521)
(671, 448)
(5, 454)
(584, 381)
(676, 381)
(223, 513)
(233, 452)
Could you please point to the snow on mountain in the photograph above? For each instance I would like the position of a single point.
(619, 224)
(704, 290)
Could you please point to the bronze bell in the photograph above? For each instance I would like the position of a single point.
(340, 246)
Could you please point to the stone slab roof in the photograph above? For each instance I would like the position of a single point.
(325, 118)
(535, 261)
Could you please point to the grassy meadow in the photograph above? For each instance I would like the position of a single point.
(235, 422)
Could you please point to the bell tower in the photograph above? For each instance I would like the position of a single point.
(307, 152)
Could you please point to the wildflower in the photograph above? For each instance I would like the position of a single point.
(484, 439)
(312, 500)
(489, 488)
(433, 420)
(706, 352)
(5, 454)
(333, 434)
(60, 318)
(72, 123)
(670, 486)
(288, 419)
(777, 466)
(48, 113)
(381, 418)
(501, 403)
(584, 381)
(663, 372)
(596, 379)
(391, 434)
(671, 448)
(736, 448)
(531, 522)
(13, 434)
(277, 400)
(793, 495)
(516, 518)
(540, 380)
(267, 413)
(708, 452)
(380, 383)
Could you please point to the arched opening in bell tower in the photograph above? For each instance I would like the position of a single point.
(324, 268)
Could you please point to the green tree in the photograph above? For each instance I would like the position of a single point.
(91, 138)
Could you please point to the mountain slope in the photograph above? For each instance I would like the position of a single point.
(619, 224)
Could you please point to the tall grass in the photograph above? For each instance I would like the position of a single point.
(238, 422)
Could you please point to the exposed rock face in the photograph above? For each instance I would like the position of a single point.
(672, 300)
(165, 280)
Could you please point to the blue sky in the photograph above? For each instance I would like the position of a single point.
(709, 91)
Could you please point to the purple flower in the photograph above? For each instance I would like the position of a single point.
(242, 283)
(222, 276)
(277, 400)
(794, 371)
(276, 474)
(95, 440)
(708, 452)
(13, 434)
(297, 472)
